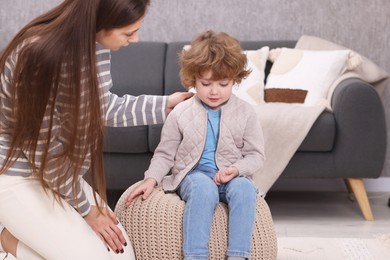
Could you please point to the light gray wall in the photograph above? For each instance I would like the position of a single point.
(361, 25)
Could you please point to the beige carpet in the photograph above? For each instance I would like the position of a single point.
(314, 248)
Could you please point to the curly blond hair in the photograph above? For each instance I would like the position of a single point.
(217, 52)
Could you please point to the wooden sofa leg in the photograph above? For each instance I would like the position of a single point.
(349, 188)
(358, 189)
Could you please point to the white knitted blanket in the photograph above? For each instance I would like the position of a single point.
(285, 126)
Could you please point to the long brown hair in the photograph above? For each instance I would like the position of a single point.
(57, 55)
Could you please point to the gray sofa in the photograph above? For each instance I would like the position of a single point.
(348, 143)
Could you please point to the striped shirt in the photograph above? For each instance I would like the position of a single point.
(119, 112)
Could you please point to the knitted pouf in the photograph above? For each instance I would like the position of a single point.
(155, 227)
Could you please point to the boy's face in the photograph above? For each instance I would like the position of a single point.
(214, 93)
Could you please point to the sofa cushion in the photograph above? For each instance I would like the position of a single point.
(137, 69)
(312, 71)
(123, 169)
(367, 70)
(154, 135)
(126, 139)
(171, 75)
(254, 45)
(321, 137)
(251, 88)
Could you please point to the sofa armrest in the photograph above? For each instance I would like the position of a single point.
(360, 146)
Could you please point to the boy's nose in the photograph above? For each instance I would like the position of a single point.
(213, 90)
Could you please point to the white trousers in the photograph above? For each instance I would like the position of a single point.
(47, 230)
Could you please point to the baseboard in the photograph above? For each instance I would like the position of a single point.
(372, 185)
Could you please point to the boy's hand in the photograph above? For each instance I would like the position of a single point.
(226, 176)
(144, 188)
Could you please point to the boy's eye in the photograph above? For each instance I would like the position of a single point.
(205, 84)
(223, 84)
(129, 34)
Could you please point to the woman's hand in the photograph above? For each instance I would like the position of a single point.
(226, 176)
(144, 188)
(176, 98)
(105, 226)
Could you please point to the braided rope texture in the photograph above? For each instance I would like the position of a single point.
(155, 227)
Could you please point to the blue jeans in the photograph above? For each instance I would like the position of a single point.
(201, 195)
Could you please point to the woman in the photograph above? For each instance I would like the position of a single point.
(55, 102)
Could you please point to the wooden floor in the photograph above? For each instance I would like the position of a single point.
(327, 214)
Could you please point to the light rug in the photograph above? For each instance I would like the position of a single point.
(315, 248)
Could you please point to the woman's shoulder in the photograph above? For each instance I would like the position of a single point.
(102, 53)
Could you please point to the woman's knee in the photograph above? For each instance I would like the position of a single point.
(87, 250)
